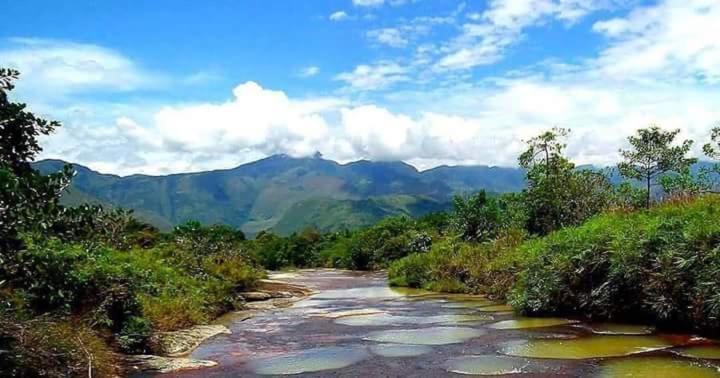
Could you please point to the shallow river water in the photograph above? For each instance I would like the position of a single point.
(356, 326)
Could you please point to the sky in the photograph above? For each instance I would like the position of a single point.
(158, 87)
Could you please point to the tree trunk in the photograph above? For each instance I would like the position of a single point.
(647, 199)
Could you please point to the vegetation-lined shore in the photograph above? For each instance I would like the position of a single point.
(79, 284)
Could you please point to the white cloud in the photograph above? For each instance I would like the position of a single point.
(377, 3)
(388, 36)
(368, 3)
(502, 24)
(373, 77)
(58, 67)
(309, 71)
(338, 16)
(674, 40)
(659, 64)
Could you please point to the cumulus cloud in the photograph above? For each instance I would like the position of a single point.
(659, 64)
(258, 122)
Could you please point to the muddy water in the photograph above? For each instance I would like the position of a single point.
(358, 327)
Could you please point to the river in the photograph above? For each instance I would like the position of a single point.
(356, 326)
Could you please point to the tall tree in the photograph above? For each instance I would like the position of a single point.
(653, 154)
(557, 194)
(28, 200)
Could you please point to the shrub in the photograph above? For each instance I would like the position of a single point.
(50, 347)
(658, 266)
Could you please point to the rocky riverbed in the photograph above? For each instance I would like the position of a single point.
(354, 325)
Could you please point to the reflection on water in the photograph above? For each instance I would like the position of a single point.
(526, 323)
(426, 336)
(620, 329)
(493, 365)
(390, 320)
(310, 361)
(710, 352)
(358, 326)
(400, 350)
(587, 347)
(657, 367)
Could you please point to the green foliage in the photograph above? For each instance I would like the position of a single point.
(389, 240)
(49, 347)
(456, 266)
(480, 217)
(659, 266)
(558, 195)
(654, 155)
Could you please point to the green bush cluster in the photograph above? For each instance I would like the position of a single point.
(660, 266)
(187, 279)
(366, 249)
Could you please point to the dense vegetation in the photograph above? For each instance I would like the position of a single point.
(77, 284)
(575, 245)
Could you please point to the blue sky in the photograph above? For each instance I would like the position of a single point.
(168, 86)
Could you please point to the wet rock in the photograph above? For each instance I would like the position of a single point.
(275, 286)
(178, 343)
(348, 313)
(254, 296)
(157, 364)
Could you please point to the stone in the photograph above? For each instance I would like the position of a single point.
(179, 343)
(254, 296)
(158, 364)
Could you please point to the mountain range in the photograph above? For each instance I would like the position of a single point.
(286, 194)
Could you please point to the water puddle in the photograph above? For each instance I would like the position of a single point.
(469, 304)
(526, 323)
(620, 329)
(657, 367)
(399, 350)
(492, 365)
(352, 313)
(586, 347)
(372, 292)
(426, 336)
(312, 360)
(709, 352)
(496, 308)
(377, 320)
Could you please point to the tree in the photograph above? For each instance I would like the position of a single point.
(557, 194)
(29, 201)
(712, 149)
(654, 155)
(480, 217)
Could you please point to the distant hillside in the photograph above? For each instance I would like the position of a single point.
(335, 215)
(287, 194)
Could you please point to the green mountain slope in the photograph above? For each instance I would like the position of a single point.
(285, 193)
(336, 215)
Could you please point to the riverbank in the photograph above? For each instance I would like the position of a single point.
(170, 349)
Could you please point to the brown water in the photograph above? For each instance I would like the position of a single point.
(356, 326)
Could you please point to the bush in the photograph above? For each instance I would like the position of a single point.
(661, 265)
(47, 347)
(454, 266)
